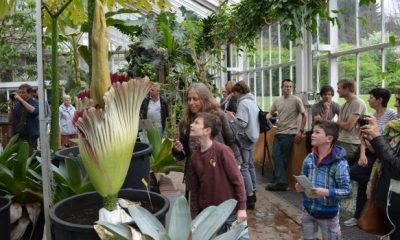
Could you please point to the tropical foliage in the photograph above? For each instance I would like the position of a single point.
(162, 160)
(71, 179)
(20, 179)
(204, 227)
(18, 42)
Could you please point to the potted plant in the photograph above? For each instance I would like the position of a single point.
(204, 227)
(107, 121)
(139, 167)
(20, 181)
(5, 203)
(161, 159)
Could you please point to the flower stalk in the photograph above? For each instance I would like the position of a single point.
(108, 120)
(100, 71)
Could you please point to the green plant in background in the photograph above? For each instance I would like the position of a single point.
(70, 179)
(162, 160)
(204, 227)
(21, 180)
(17, 41)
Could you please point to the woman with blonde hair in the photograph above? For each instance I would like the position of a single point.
(200, 99)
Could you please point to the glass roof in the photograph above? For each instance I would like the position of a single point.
(202, 8)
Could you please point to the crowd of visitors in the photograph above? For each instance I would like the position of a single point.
(217, 141)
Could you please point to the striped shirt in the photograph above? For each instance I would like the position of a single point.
(387, 116)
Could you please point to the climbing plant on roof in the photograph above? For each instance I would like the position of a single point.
(241, 24)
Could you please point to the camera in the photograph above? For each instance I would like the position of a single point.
(362, 120)
(12, 96)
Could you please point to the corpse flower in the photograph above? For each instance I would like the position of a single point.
(108, 126)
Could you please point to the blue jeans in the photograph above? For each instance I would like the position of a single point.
(281, 150)
(228, 224)
(248, 171)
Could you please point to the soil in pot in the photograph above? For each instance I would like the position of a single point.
(90, 215)
(73, 218)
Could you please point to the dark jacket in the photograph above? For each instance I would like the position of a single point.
(26, 124)
(229, 104)
(164, 110)
(390, 159)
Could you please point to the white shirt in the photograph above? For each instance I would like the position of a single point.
(154, 112)
(66, 116)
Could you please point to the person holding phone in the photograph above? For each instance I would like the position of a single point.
(387, 151)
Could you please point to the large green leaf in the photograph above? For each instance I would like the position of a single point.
(22, 162)
(166, 148)
(74, 176)
(147, 222)
(179, 224)
(203, 215)
(121, 11)
(154, 137)
(166, 165)
(11, 148)
(8, 181)
(84, 52)
(206, 229)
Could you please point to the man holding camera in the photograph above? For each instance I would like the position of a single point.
(350, 111)
(25, 113)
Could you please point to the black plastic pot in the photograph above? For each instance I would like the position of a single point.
(5, 227)
(139, 167)
(64, 230)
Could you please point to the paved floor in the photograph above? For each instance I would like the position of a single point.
(277, 214)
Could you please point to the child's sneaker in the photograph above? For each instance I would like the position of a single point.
(351, 222)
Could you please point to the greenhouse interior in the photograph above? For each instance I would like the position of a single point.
(199, 119)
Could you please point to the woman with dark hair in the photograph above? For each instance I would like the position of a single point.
(230, 101)
(387, 189)
(200, 99)
(246, 122)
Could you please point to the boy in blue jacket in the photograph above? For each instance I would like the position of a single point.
(328, 171)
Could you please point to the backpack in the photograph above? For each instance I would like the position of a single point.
(265, 123)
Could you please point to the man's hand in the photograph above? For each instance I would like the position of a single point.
(298, 137)
(317, 117)
(363, 161)
(241, 216)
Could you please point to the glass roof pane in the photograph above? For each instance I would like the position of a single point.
(191, 5)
